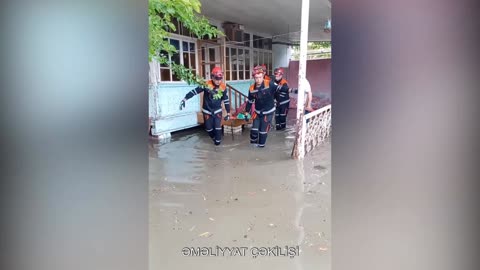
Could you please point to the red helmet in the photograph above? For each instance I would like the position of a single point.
(264, 68)
(278, 71)
(217, 73)
(257, 70)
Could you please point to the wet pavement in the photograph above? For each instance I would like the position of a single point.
(255, 201)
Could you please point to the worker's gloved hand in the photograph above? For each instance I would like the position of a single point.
(227, 117)
(295, 90)
(182, 104)
(247, 116)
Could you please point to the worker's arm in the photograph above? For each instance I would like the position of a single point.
(250, 101)
(226, 102)
(189, 95)
(308, 106)
(193, 92)
(284, 89)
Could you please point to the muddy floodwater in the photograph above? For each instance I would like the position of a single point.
(235, 206)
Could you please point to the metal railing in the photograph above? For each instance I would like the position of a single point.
(236, 97)
(318, 127)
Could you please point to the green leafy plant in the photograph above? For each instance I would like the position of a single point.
(161, 21)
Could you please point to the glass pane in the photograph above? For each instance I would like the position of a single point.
(240, 60)
(175, 77)
(164, 53)
(176, 58)
(246, 38)
(238, 36)
(211, 55)
(175, 43)
(240, 75)
(227, 77)
(256, 41)
(178, 26)
(265, 61)
(192, 47)
(203, 55)
(165, 75)
(234, 59)
(270, 65)
(264, 43)
(234, 75)
(192, 61)
(260, 58)
(255, 58)
(186, 61)
(247, 58)
(227, 58)
(185, 46)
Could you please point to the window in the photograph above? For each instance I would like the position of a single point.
(241, 58)
(247, 64)
(239, 62)
(256, 41)
(180, 29)
(189, 55)
(202, 60)
(266, 44)
(246, 38)
(262, 43)
(186, 56)
(234, 60)
(269, 63)
(241, 70)
(227, 64)
(260, 58)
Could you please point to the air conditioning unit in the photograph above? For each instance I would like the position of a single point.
(233, 31)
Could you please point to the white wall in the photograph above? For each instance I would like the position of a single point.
(281, 55)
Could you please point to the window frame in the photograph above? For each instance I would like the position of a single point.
(181, 39)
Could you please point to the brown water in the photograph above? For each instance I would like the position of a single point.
(236, 195)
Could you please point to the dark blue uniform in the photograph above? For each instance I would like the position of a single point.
(212, 108)
(263, 96)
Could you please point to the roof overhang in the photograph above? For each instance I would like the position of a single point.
(280, 18)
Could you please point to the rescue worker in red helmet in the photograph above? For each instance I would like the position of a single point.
(265, 72)
(262, 93)
(283, 99)
(214, 93)
(263, 69)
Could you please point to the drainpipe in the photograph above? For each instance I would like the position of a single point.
(299, 151)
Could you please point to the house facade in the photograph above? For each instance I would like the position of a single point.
(245, 45)
(237, 59)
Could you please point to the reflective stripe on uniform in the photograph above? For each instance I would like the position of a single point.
(269, 111)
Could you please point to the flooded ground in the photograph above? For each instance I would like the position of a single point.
(241, 197)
